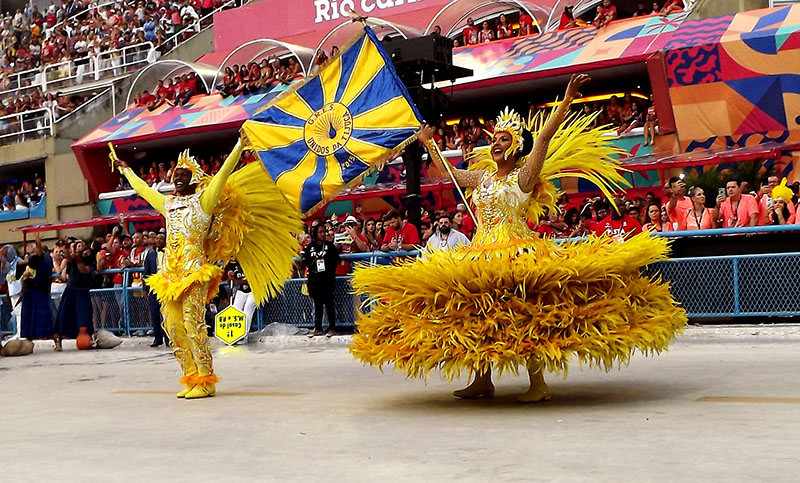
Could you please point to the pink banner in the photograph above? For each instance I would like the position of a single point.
(307, 21)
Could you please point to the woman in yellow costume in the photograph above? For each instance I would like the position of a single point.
(209, 221)
(511, 299)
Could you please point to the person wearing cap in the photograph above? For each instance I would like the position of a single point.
(351, 240)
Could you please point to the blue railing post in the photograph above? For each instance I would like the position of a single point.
(126, 316)
(736, 304)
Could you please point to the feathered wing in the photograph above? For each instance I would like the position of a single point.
(575, 151)
(254, 224)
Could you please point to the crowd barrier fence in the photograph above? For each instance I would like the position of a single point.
(716, 287)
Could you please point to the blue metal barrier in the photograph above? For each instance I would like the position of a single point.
(759, 285)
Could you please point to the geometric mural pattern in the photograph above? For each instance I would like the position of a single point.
(629, 38)
(166, 120)
(743, 88)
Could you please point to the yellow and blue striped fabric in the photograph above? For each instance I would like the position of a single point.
(329, 132)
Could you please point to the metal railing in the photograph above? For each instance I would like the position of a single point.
(26, 125)
(171, 43)
(103, 65)
(754, 285)
(117, 62)
(18, 82)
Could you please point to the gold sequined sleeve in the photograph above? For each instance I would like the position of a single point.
(150, 195)
(210, 197)
(532, 169)
(464, 178)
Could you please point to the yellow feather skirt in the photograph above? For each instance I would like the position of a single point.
(478, 309)
(171, 287)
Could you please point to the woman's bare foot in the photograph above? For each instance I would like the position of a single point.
(481, 387)
(58, 347)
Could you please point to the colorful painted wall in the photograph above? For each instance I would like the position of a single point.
(734, 81)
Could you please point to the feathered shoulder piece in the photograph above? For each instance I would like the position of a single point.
(254, 224)
(575, 150)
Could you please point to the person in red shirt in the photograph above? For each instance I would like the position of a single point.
(737, 209)
(671, 6)
(467, 223)
(145, 99)
(400, 235)
(357, 245)
(525, 23)
(161, 91)
(470, 33)
(567, 20)
(606, 13)
(618, 224)
(678, 205)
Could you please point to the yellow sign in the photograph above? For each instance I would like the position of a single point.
(230, 325)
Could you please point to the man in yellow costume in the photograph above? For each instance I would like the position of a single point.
(210, 220)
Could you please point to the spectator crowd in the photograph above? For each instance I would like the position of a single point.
(23, 195)
(502, 27)
(159, 174)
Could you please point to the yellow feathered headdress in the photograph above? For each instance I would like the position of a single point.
(186, 161)
(576, 150)
(782, 192)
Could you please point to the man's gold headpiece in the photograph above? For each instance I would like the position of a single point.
(186, 161)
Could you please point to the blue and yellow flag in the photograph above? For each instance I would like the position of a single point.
(318, 138)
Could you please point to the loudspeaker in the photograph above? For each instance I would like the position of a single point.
(430, 48)
(431, 103)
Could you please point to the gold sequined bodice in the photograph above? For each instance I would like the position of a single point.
(500, 207)
(187, 227)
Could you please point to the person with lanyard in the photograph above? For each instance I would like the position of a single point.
(243, 298)
(321, 257)
(699, 217)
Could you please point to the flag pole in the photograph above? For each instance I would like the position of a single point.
(433, 151)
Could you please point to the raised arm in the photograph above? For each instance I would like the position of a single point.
(464, 178)
(150, 195)
(210, 197)
(532, 169)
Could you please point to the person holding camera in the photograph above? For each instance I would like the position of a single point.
(350, 240)
(678, 204)
(446, 237)
(321, 258)
(737, 209)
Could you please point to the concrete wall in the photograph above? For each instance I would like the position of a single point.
(715, 8)
(196, 47)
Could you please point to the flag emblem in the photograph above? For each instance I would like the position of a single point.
(328, 132)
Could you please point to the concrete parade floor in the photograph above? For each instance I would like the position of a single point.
(722, 405)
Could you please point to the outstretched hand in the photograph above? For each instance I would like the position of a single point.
(575, 83)
(426, 132)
